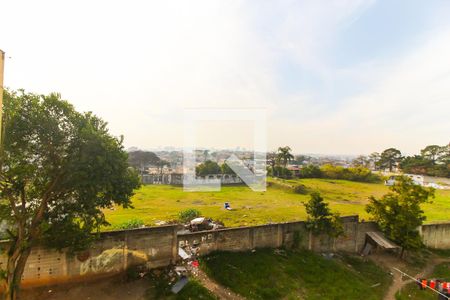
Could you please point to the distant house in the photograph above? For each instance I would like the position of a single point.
(295, 169)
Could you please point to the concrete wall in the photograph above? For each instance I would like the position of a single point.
(113, 253)
(436, 235)
(278, 235)
(158, 247)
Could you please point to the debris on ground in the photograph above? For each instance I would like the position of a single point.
(179, 285)
(328, 255)
(202, 223)
(280, 252)
(227, 206)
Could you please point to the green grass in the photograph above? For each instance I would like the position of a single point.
(278, 204)
(296, 275)
(412, 292)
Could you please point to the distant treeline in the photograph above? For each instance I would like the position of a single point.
(328, 171)
(433, 160)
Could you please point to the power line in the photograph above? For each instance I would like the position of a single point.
(416, 280)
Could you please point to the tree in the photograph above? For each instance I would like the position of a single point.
(161, 164)
(284, 155)
(208, 168)
(310, 171)
(361, 161)
(398, 213)
(59, 169)
(141, 159)
(320, 219)
(225, 168)
(433, 153)
(374, 158)
(389, 158)
(416, 164)
(272, 161)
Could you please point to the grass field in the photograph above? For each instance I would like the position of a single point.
(279, 203)
(296, 275)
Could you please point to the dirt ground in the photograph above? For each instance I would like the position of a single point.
(106, 289)
(390, 261)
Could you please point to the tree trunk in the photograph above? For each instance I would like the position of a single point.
(14, 271)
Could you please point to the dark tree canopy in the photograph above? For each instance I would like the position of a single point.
(225, 168)
(208, 168)
(389, 158)
(141, 159)
(59, 169)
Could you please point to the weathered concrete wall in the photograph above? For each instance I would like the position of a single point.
(436, 235)
(112, 253)
(158, 247)
(277, 235)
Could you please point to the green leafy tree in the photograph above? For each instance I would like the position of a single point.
(320, 218)
(284, 155)
(399, 213)
(310, 171)
(208, 168)
(389, 158)
(59, 169)
(272, 162)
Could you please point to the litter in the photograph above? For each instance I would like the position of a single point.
(180, 270)
(227, 206)
(183, 254)
(200, 224)
(179, 285)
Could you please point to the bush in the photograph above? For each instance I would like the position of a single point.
(310, 171)
(188, 214)
(359, 174)
(282, 172)
(300, 189)
(130, 224)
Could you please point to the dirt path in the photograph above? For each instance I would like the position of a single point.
(399, 281)
(216, 289)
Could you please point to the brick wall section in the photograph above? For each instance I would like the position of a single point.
(158, 247)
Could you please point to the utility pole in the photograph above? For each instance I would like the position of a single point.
(2, 64)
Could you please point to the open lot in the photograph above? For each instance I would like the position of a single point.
(154, 203)
(297, 275)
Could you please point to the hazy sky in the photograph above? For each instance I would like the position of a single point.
(335, 76)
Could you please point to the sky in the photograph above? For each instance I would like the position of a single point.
(334, 77)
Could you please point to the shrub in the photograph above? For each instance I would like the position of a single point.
(310, 171)
(188, 214)
(130, 224)
(282, 172)
(300, 189)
